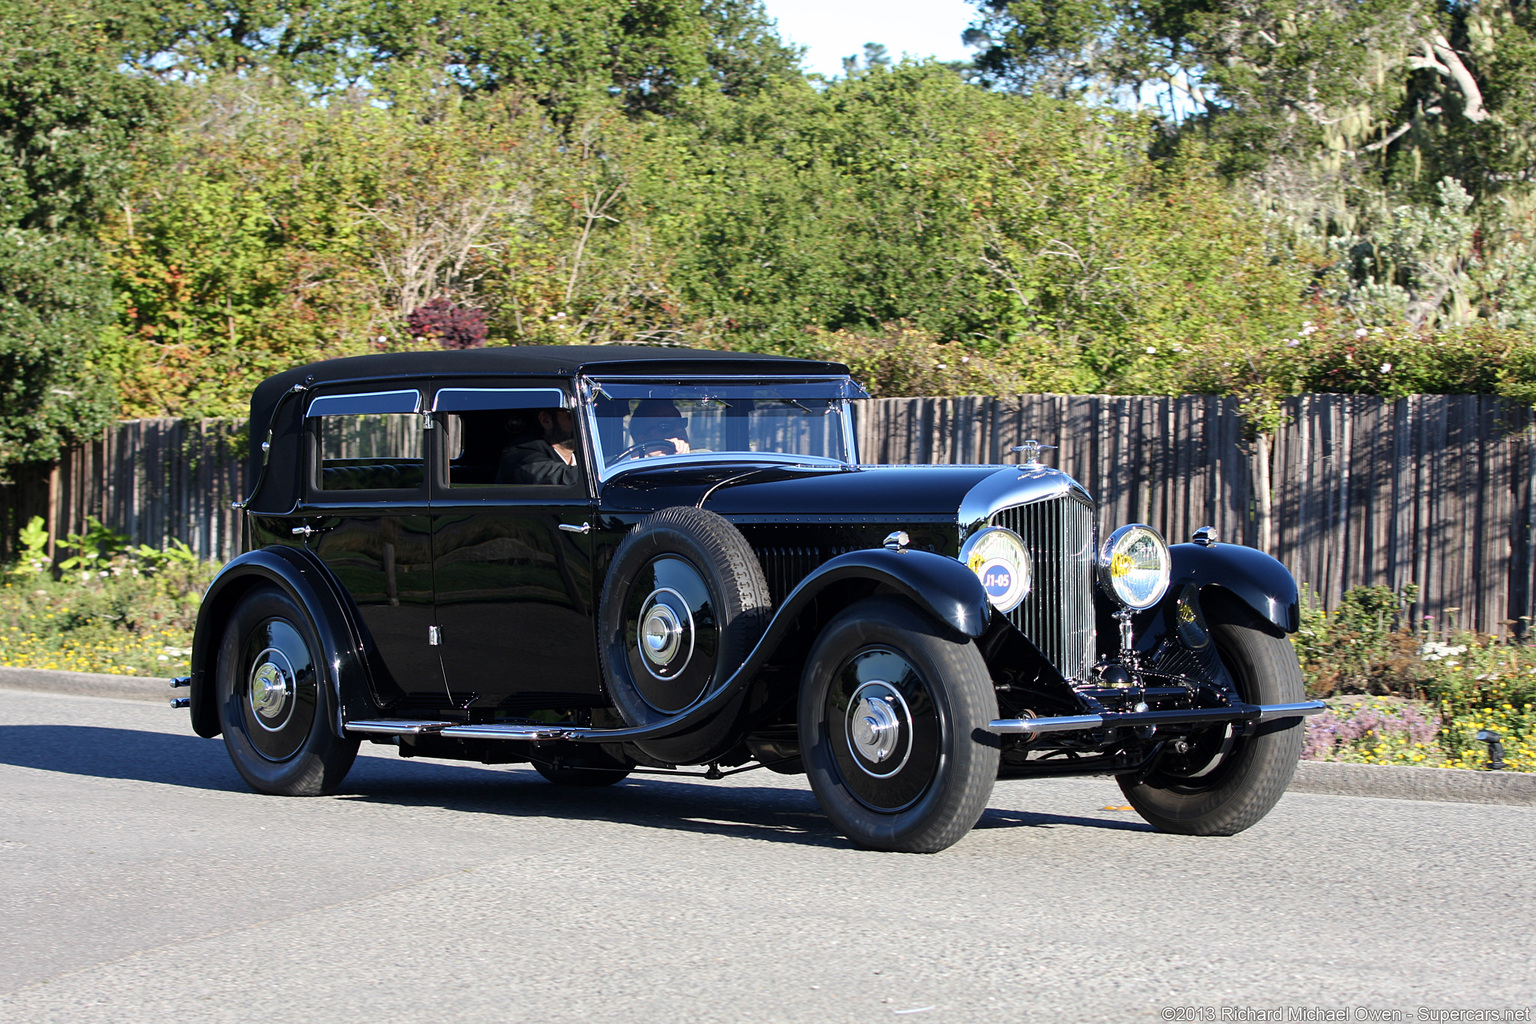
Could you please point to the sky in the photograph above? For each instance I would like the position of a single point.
(833, 29)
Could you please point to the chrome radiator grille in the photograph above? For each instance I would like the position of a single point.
(1057, 616)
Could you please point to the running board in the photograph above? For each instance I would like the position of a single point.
(1141, 719)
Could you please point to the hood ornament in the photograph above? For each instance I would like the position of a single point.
(1032, 450)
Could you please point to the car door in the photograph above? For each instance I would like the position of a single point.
(367, 516)
(511, 553)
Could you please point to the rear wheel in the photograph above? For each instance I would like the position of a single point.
(890, 708)
(1226, 782)
(275, 701)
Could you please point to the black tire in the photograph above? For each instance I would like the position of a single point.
(910, 774)
(683, 605)
(1227, 782)
(275, 701)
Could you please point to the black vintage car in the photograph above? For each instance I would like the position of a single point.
(610, 559)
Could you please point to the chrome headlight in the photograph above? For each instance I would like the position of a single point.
(1000, 560)
(1134, 566)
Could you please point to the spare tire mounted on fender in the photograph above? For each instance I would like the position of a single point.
(684, 603)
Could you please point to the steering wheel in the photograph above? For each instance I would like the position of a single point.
(660, 446)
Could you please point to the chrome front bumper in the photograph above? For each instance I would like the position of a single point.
(1244, 713)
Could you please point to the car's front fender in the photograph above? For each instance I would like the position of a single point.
(1257, 580)
(306, 580)
(937, 584)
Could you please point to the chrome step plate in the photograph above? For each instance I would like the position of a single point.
(397, 726)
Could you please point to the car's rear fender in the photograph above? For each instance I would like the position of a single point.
(306, 580)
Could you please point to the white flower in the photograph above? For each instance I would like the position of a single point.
(1307, 329)
(1291, 343)
(1434, 651)
(1386, 367)
(1151, 350)
(1361, 332)
(1178, 348)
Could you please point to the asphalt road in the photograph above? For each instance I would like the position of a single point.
(141, 881)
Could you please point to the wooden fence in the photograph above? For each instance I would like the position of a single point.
(154, 480)
(1431, 490)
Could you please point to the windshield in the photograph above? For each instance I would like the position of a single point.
(804, 421)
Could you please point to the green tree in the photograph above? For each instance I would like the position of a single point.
(907, 196)
(67, 120)
(648, 54)
(1333, 115)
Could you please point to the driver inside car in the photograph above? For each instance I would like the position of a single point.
(659, 428)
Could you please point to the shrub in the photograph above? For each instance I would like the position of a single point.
(112, 607)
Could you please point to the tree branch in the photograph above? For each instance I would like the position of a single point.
(1440, 57)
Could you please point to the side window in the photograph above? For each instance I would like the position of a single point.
(369, 442)
(510, 437)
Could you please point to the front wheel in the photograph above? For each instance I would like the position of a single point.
(1225, 782)
(274, 700)
(890, 708)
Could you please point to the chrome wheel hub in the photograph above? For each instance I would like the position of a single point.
(879, 727)
(271, 689)
(666, 632)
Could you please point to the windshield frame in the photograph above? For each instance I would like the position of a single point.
(839, 389)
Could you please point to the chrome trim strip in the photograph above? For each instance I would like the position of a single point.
(397, 726)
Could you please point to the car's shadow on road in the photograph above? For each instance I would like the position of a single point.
(786, 812)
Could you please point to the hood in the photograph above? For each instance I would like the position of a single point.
(746, 493)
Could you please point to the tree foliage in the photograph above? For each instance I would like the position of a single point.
(647, 54)
(1252, 197)
(1338, 117)
(67, 116)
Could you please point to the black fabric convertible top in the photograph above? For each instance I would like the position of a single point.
(543, 361)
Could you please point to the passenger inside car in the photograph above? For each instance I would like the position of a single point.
(548, 458)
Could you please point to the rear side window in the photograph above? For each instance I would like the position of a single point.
(507, 438)
(369, 442)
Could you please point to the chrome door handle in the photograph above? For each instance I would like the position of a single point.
(573, 528)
